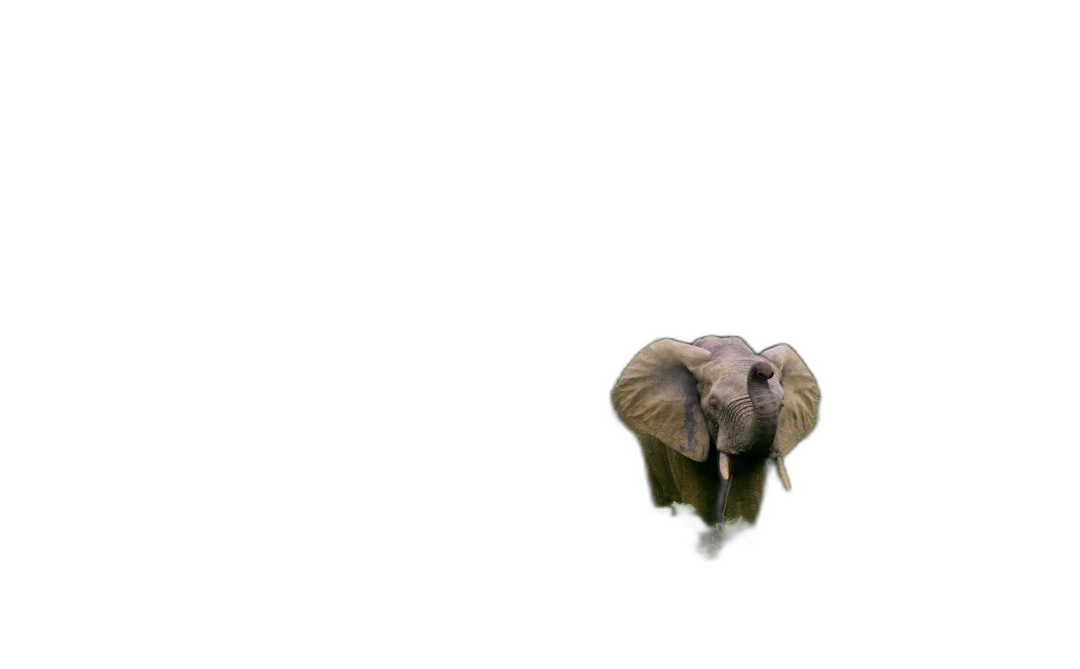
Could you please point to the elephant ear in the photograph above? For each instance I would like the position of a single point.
(801, 396)
(657, 395)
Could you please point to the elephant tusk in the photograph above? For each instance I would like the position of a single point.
(783, 473)
(725, 466)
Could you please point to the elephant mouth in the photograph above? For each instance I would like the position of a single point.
(725, 462)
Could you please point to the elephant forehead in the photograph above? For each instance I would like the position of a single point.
(728, 375)
(730, 367)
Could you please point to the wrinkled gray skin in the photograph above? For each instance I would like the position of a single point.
(711, 415)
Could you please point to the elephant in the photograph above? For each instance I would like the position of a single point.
(710, 416)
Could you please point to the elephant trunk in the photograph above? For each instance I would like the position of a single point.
(766, 404)
(742, 507)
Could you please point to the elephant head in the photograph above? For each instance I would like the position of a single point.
(710, 415)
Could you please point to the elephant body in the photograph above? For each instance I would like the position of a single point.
(710, 415)
(676, 478)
